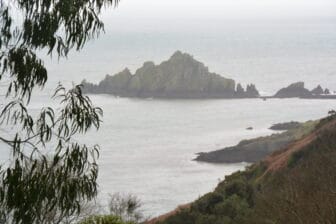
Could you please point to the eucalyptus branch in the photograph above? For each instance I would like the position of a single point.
(36, 184)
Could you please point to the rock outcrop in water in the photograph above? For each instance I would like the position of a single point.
(294, 90)
(318, 90)
(298, 90)
(179, 77)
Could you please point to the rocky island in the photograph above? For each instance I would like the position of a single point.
(298, 90)
(182, 76)
(179, 77)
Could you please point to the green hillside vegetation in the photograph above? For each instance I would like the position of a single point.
(104, 219)
(294, 185)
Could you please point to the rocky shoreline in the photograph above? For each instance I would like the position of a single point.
(254, 150)
(285, 126)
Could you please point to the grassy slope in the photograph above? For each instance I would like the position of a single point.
(292, 186)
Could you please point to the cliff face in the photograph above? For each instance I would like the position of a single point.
(179, 77)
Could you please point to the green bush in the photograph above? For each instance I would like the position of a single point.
(205, 203)
(294, 158)
(103, 219)
(185, 217)
(232, 207)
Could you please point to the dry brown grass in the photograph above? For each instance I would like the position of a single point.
(167, 215)
(279, 159)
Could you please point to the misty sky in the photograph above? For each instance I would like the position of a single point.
(155, 13)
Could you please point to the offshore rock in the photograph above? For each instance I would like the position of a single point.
(179, 77)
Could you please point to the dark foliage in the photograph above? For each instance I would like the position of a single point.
(49, 174)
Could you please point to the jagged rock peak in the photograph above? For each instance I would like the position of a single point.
(252, 91)
(240, 90)
(318, 90)
(149, 64)
(178, 55)
(126, 70)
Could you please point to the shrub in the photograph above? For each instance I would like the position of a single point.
(232, 207)
(103, 219)
(205, 203)
(126, 206)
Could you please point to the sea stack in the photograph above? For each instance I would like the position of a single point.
(181, 76)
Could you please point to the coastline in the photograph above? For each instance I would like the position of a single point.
(255, 149)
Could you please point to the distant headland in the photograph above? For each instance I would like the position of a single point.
(183, 77)
(254, 150)
(179, 77)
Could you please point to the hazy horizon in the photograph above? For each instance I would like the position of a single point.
(254, 41)
(173, 15)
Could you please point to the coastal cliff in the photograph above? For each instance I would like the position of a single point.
(179, 77)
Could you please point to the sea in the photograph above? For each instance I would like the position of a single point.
(148, 145)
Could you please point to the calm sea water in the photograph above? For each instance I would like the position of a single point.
(148, 145)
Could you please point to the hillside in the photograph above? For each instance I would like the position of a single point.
(179, 77)
(296, 184)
